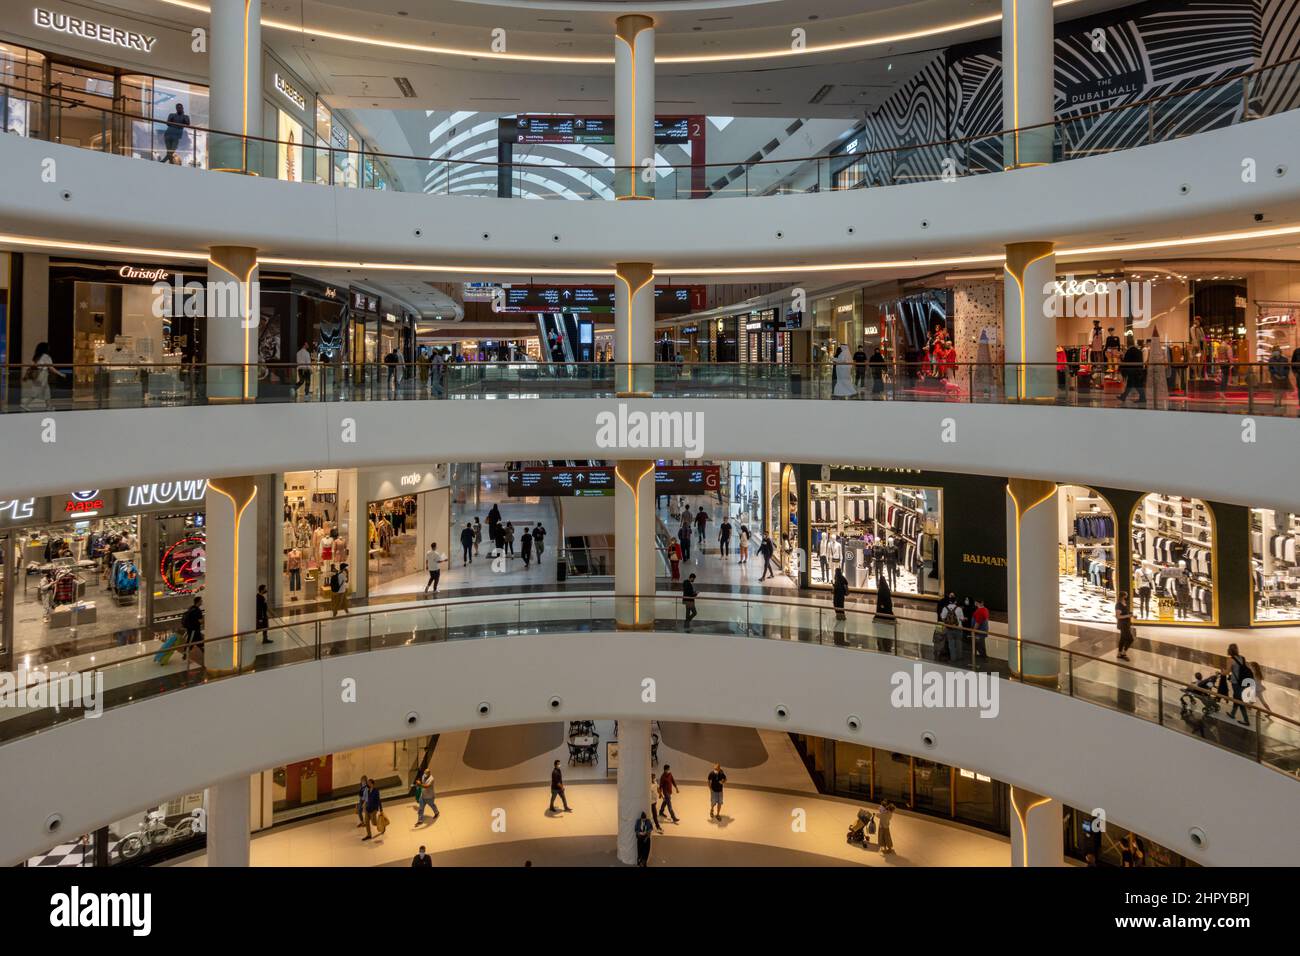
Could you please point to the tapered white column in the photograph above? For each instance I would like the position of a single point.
(233, 311)
(1036, 830)
(1033, 604)
(634, 541)
(230, 588)
(228, 822)
(1027, 88)
(1029, 321)
(634, 107)
(634, 328)
(235, 94)
(633, 783)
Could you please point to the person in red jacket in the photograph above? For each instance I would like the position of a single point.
(980, 624)
(675, 558)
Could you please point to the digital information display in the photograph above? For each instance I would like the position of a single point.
(669, 300)
(599, 482)
(586, 130)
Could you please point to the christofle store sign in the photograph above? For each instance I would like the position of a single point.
(90, 30)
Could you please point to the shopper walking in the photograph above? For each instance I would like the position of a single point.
(843, 382)
(363, 793)
(840, 591)
(263, 613)
(688, 599)
(642, 830)
(684, 539)
(478, 534)
(339, 591)
(192, 625)
(860, 368)
(1124, 620)
(765, 551)
(716, 779)
(654, 802)
(36, 379)
(303, 385)
(1279, 372)
(425, 798)
(1133, 375)
(510, 538)
(701, 522)
(468, 545)
(390, 363)
(557, 788)
(742, 552)
(980, 623)
(1239, 673)
(883, 819)
(374, 811)
(526, 546)
(876, 363)
(433, 562)
(953, 620)
(539, 540)
(724, 538)
(675, 559)
(177, 121)
(667, 787)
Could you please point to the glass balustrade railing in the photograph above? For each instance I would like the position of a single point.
(146, 670)
(1086, 132)
(1236, 388)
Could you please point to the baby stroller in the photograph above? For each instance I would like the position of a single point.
(860, 830)
(1196, 703)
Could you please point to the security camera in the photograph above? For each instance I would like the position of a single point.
(780, 235)
(854, 722)
(925, 223)
(487, 235)
(53, 822)
(419, 233)
(1259, 217)
(556, 703)
(1198, 837)
(782, 712)
(484, 708)
(928, 738)
(67, 195)
(412, 719)
(1184, 189)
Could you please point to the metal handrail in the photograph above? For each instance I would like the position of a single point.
(1241, 79)
(318, 647)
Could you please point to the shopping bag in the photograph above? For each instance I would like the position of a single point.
(383, 822)
(168, 648)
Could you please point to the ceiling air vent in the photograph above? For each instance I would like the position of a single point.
(405, 86)
(822, 93)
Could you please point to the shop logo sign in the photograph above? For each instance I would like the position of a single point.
(1097, 299)
(409, 481)
(18, 509)
(166, 493)
(290, 92)
(80, 502)
(658, 430)
(58, 690)
(150, 275)
(992, 560)
(88, 30)
(945, 689)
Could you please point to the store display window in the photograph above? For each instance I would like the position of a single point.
(875, 530)
(313, 536)
(745, 494)
(1274, 565)
(332, 781)
(1087, 556)
(1174, 564)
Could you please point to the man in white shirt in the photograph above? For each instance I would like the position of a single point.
(304, 371)
(426, 798)
(433, 562)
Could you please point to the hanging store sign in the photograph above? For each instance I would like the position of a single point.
(17, 511)
(146, 275)
(82, 504)
(90, 30)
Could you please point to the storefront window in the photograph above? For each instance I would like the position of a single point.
(21, 72)
(979, 799)
(401, 530)
(893, 777)
(289, 134)
(152, 137)
(1087, 556)
(313, 540)
(852, 769)
(1275, 565)
(872, 530)
(932, 784)
(745, 490)
(1174, 565)
(311, 786)
(1276, 326)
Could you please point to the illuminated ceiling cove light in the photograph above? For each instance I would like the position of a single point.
(486, 54)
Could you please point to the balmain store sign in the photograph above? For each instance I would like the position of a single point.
(990, 560)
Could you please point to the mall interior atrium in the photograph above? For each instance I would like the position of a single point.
(954, 347)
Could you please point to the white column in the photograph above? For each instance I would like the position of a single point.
(228, 822)
(633, 783)
(233, 311)
(1030, 322)
(1033, 603)
(634, 328)
(230, 588)
(634, 107)
(1036, 830)
(634, 541)
(235, 94)
(1027, 60)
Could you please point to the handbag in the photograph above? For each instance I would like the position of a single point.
(871, 827)
(383, 821)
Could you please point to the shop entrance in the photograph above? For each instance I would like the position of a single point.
(1087, 556)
